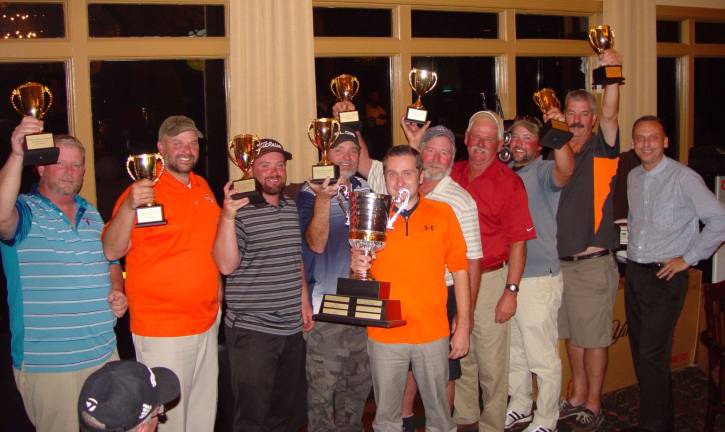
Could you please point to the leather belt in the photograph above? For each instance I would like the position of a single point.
(651, 265)
(493, 267)
(575, 258)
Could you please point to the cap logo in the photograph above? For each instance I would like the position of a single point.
(267, 144)
(91, 404)
(145, 410)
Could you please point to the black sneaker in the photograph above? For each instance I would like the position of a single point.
(587, 421)
(566, 409)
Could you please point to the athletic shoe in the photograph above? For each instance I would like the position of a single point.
(566, 409)
(587, 421)
(538, 428)
(513, 418)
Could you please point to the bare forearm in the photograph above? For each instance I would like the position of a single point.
(563, 165)
(474, 280)
(517, 261)
(116, 278)
(10, 177)
(463, 296)
(117, 237)
(364, 162)
(610, 112)
(226, 250)
(318, 231)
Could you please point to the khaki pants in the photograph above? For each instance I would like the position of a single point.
(535, 349)
(194, 359)
(51, 399)
(486, 362)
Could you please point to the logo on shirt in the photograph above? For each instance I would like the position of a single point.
(429, 227)
(529, 229)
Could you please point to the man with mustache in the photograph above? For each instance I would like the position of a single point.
(259, 248)
(172, 282)
(534, 335)
(505, 225)
(338, 369)
(586, 236)
(62, 293)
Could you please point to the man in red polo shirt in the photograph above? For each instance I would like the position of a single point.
(172, 282)
(505, 223)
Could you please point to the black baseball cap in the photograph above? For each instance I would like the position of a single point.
(346, 134)
(268, 145)
(122, 394)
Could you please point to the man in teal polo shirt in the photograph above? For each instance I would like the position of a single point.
(64, 296)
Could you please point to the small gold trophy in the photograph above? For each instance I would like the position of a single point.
(345, 87)
(322, 133)
(241, 152)
(147, 166)
(602, 38)
(555, 133)
(30, 99)
(421, 81)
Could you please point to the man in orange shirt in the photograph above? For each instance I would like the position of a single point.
(423, 242)
(172, 282)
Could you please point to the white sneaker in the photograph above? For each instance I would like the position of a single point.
(513, 418)
(538, 428)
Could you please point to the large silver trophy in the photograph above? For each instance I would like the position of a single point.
(361, 299)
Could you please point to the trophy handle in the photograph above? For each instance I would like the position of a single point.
(435, 81)
(592, 39)
(43, 111)
(15, 94)
(410, 78)
(401, 205)
(129, 161)
(333, 87)
(356, 85)
(159, 159)
(537, 101)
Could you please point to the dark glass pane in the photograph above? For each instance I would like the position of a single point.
(130, 99)
(668, 31)
(129, 20)
(707, 155)
(31, 20)
(439, 24)
(352, 22)
(561, 74)
(373, 99)
(461, 80)
(551, 27)
(12, 75)
(709, 32)
(667, 101)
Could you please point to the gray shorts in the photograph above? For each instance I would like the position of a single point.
(590, 287)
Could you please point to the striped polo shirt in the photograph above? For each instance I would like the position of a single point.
(58, 285)
(264, 293)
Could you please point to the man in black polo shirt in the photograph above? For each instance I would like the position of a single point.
(586, 236)
(260, 249)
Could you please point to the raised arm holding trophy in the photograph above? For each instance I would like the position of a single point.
(602, 38)
(30, 99)
(322, 132)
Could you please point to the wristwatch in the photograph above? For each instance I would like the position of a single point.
(512, 287)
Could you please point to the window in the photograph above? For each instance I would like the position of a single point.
(31, 20)
(561, 74)
(530, 26)
(667, 98)
(351, 22)
(441, 24)
(709, 32)
(124, 20)
(668, 31)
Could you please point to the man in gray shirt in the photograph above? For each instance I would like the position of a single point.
(667, 202)
(534, 335)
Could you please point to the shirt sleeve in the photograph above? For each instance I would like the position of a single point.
(456, 258)
(545, 173)
(305, 210)
(471, 231)
(710, 211)
(25, 220)
(376, 178)
(517, 222)
(602, 149)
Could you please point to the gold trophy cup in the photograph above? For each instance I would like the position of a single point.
(241, 152)
(323, 132)
(345, 87)
(35, 99)
(147, 166)
(555, 133)
(602, 38)
(421, 81)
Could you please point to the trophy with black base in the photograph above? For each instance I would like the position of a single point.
(323, 132)
(241, 152)
(555, 133)
(421, 81)
(345, 87)
(148, 166)
(35, 99)
(602, 38)
(360, 299)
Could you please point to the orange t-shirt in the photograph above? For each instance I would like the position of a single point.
(414, 260)
(172, 282)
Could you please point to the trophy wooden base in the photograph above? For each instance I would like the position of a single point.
(416, 115)
(606, 75)
(360, 311)
(554, 134)
(321, 172)
(247, 188)
(148, 216)
(351, 119)
(41, 156)
(363, 288)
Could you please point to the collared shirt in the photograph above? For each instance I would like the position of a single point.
(58, 285)
(264, 293)
(666, 206)
(451, 193)
(503, 211)
(323, 270)
(542, 257)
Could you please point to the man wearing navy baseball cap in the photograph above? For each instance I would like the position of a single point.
(126, 396)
